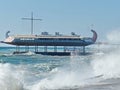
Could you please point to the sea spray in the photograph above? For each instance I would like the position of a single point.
(74, 74)
(113, 36)
(108, 65)
(8, 78)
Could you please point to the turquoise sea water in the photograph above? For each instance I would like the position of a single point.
(97, 71)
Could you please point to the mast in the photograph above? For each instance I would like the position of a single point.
(32, 22)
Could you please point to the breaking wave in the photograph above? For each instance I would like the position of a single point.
(10, 78)
(82, 71)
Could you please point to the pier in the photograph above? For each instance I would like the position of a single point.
(46, 50)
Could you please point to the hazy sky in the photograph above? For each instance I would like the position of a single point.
(64, 16)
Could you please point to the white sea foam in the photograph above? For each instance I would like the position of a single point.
(29, 53)
(9, 80)
(108, 65)
(82, 71)
(114, 36)
(68, 76)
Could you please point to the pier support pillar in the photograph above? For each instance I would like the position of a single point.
(17, 49)
(36, 48)
(45, 48)
(74, 48)
(83, 49)
(64, 48)
(55, 48)
(26, 48)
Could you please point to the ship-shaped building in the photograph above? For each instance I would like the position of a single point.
(46, 40)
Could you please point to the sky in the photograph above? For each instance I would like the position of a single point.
(64, 16)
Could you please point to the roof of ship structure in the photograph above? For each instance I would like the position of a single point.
(47, 36)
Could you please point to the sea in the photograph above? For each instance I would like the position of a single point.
(99, 69)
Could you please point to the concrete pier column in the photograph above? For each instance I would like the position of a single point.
(83, 49)
(74, 48)
(36, 48)
(64, 48)
(17, 49)
(26, 48)
(55, 48)
(45, 48)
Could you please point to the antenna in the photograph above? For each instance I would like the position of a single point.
(32, 19)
